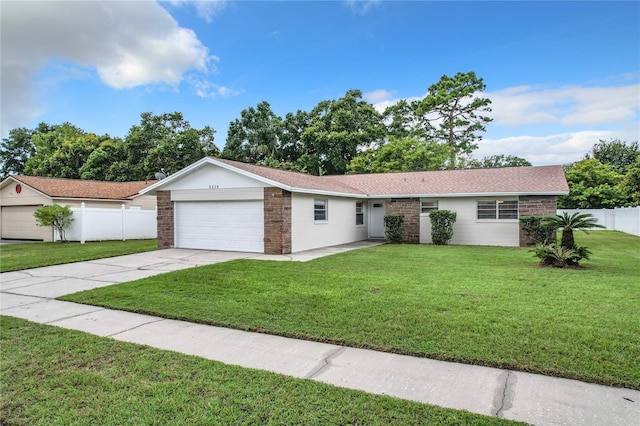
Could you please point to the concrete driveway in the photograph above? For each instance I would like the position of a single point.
(58, 280)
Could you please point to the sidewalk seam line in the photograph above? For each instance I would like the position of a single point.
(98, 309)
(325, 362)
(137, 326)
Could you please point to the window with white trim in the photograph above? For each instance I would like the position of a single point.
(320, 210)
(498, 209)
(359, 214)
(427, 206)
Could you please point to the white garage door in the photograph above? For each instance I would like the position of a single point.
(220, 225)
(18, 223)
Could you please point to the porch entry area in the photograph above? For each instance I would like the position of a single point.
(377, 211)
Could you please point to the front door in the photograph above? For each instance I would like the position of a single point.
(376, 219)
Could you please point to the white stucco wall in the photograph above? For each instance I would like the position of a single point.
(340, 228)
(468, 230)
(210, 176)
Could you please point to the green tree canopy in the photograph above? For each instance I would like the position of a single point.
(593, 185)
(456, 113)
(15, 151)
(616, 153)
(61, 151)
(497, 161)
(338, 129)
(401, 155)
(255, 136)
(166, 141)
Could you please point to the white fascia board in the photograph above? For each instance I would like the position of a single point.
(470, 194)
(250, 175)
(328, 193)
(158, 185)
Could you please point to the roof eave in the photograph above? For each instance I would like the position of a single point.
(467, 194)
(152, 189)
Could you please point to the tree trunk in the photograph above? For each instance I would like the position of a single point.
(567, 239)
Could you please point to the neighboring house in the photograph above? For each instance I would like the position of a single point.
(219, 204)
(20, 196)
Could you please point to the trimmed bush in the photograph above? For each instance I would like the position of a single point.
(560, 257)
(393, 228)
(538, 229)
(442, 226)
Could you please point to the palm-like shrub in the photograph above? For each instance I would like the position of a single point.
(572, 222)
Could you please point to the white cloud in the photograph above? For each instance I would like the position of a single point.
(208, 89)
(206, 9)
(129, 44)
(560, 148)
(567, 106)
(360, 7)
(377, 96)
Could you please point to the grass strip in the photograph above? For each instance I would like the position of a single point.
(478, 305)
(53, 376)
(15, 257)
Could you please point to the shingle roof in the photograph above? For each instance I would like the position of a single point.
(508, 180)
(520, 180)
(75, 188)
(294, 179)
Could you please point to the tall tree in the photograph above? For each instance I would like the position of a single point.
(401, 155)
(61, 151)
(497, 161)
(106, 162)
(15, 151)
(255, 136)
(291, 146)
(616, 153)
(338, 129)
(457, 113)
(402, 121)
(163, 141)
(593, 185)
(631, 183)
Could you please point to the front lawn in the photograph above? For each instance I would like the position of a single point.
(478, 305)
(15, 257)
(52, 376)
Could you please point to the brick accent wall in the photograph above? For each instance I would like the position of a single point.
(410, 209)
(277, 221)
(536, 205)
(165, 219)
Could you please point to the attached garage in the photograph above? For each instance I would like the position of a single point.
(220, 225)
(18, 223)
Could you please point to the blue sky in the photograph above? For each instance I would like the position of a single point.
(561, 75)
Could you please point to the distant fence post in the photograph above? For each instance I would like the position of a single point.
(123, 213)
(82, 225)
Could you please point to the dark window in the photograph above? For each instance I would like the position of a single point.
(359, 214)
(319, 210)
(498, 209)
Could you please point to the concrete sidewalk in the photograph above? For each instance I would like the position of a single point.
(512, 395)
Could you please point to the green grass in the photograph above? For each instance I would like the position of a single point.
(52, 376)
(478, 305)
(15, 257)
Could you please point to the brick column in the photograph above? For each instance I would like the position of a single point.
(535, 205)
(165, 219)
(410, 209)
(277, 221)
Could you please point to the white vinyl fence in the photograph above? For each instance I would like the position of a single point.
(625, 219)
(101, 224)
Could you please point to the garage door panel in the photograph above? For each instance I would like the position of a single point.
(220, 225)
(18, 222)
